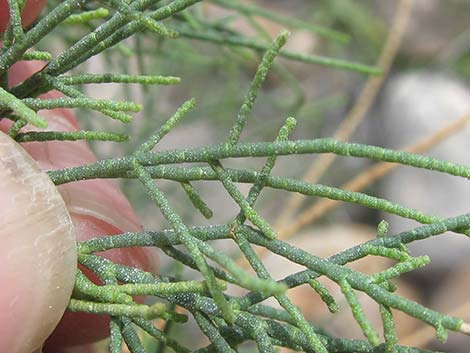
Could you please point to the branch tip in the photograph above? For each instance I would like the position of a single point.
(465, 328)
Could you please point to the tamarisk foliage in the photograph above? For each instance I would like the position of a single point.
(225, 319)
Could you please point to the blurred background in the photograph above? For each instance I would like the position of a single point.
(422, 103)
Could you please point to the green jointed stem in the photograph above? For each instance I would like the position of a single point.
(270, 312)
(157, 28)
(42, 28)
(160, 336)
(161, 239)
(289, 21)
(282, 148)
(358, 313)
(70, 136)
(143, 18)
(9, 101)
(239, 276)
(382, 228)
(87, 16)
(135, 310)
(242, 278)
(135, 278)
(175, 221)
(391, 339)
(357, 281)
(203, 234)
(134, 26)
(260, 181)
(212, 333)
(356, 252)
(165, 128)
(118, 167)
(131, 338)
(246, 205)
(73, 93)
(255, 85)
(14, 30)
(129, 28)
(118, 78)
(37, 55)
(78, 52)
(313, 341)
(108, 271)
(325, 296)
(91, 44)
(53, 103)
(190, 174)
(168, 325)
(108, 34)
(335, 345)
(238, 197)
(347, 196)
(290, 337)
(14, 130)
(14, 24)
(414, 309)
(196, 200)
(122, 293)
(258, 330)
(186, 238)
(160, 289)
(115, 336)
(188, 261)
(238, 41)
(111, 272)
(390, 253)
(236, 274)
(400, 268)
(172, 8)
(286, 335)
(144, 165)
(84, 286)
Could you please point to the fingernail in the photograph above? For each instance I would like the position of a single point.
(37, 251)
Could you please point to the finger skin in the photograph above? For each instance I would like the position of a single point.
(37, 251)
(31, 11)
(97, 208)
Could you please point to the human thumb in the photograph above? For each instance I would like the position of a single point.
(37, 252)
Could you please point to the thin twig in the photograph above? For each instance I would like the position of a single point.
(362, 180)
(424, 334)
(369, 176)
(359, 110)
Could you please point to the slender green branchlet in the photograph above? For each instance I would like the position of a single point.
(226, 301)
